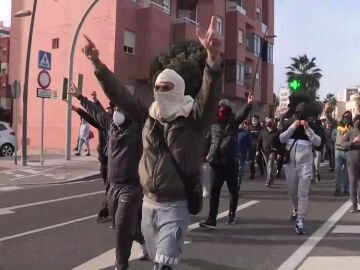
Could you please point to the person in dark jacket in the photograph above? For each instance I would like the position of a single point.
(341, 152)
(181, 122)
(255, 129)
(221, 158)
(330, 145)
(103, 213)
(124, 196)
(317, 149)
(243, 149)
(351, 141)
(266, 147)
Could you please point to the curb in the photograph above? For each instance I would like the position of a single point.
(83, 178)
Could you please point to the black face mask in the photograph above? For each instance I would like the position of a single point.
(347, 120)
(300, 115)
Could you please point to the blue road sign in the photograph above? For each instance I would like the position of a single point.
(44, 61)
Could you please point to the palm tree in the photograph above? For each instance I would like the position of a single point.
(306, 71)
(331, 99)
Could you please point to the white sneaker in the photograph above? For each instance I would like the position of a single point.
(206, 193)
(143, 254)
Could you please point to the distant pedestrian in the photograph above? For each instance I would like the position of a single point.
(84, 137)
(255, 129)
(243, 149)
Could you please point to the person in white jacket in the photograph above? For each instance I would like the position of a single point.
(84, 137)
(300, 139)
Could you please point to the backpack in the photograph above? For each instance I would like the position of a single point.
(91, 135)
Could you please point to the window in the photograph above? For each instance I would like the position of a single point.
(270, 53)
(257, 79)
(253, 43)
(129, 42)
(166, 5)
(240, 73)
(219, 25)
(257, 45)
(240, 36)
(258, 14)
(2, 127)
(4, 68)
(55, 43)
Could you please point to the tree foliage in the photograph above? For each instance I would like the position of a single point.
(186, 58)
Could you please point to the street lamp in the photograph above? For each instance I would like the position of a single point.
(71, 69)
(19, 14)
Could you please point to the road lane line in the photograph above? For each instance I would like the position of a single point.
(10, 188)
(346, 229)
(11, 208)
(107, 259)
(28, 176)
(300, 254)
(331, 263)
(46, 228)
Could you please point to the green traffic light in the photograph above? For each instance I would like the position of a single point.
(294, 85)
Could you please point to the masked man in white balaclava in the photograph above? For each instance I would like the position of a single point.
(173, 135)
(124, 197)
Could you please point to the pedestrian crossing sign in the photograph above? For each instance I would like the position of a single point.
(44, 61)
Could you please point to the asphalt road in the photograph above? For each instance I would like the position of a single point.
(53, 227)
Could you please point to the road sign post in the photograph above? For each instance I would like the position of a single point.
(15, 91)
(42, 93)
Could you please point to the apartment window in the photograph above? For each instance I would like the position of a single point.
(240, 73)
(257, 45)
(257, 79)
(258, 14)
(270, 53)
(129, 42)
(4, 68)
(55, 43)
(219, 23)
(240, 36)
(166, 5)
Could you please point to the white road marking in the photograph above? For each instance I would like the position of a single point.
(107, 259)
(39, 173)
(11, 208)
(10, 188)
(29, 171)
(346, 229)
(46, 228)
(300, 254)
(9, 172)
(83, 176)
(331, 263)
(5, 212)
(18, 176)
(49, 175)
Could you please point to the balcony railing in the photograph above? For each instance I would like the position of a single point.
(163, 8)
(263, 28)
(186, 20)
(233, 6)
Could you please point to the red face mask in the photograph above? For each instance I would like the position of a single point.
(223, 114)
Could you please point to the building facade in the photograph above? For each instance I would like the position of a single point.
(5, 91)
(129, 34)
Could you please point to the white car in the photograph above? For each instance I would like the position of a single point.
(7, 139)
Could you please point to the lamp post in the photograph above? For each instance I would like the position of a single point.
(71, 69)
(26, 13)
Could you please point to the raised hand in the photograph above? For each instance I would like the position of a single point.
(73, 108)
(211, 40)
(74, 91)
(250, 98)
(90, 50)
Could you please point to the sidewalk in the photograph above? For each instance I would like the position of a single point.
(56, 170)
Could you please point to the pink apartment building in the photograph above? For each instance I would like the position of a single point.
(129, 34)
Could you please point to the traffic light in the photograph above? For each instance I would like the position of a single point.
(294, 85)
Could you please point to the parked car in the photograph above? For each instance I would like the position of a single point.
(7, 139)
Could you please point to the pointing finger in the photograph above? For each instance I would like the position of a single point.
(89, 40)
(212, 24)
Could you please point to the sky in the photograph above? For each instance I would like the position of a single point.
(325, 29)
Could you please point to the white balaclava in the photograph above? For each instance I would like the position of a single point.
(171, 104)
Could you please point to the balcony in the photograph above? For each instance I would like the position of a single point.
(185, 20)
(233, 6)
(163, 8)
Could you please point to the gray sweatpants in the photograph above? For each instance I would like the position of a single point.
(298, 179)
(354, 178)
(164, 227)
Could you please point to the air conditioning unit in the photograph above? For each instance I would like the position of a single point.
(248, 70)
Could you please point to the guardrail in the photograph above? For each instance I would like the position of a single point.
(186, 20)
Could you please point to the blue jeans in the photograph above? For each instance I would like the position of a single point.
(342, 180)
(242, 160)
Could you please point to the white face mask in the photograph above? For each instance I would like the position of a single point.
(255, 122)
(118, 118)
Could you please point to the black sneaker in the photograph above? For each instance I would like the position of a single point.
(354, 209)
(346, 193)
(293, 216)
(278, 175)
(77, 154)
(208, 224)
(317, 180)
(231, 219)
(337, 193)
(299, 227)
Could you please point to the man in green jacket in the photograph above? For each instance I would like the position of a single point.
(183, 122)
